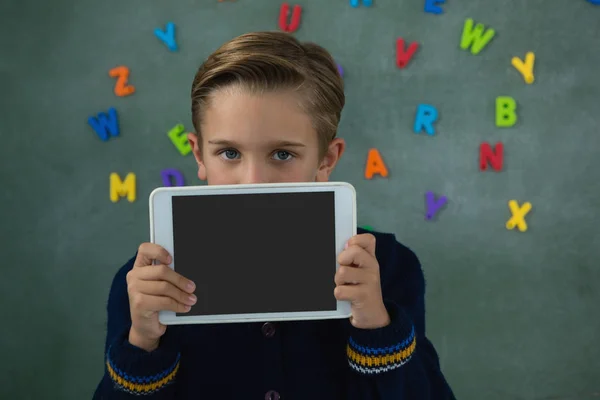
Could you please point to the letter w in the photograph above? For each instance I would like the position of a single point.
(105, 124)
(475, 38)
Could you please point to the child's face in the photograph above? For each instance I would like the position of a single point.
(262, 138)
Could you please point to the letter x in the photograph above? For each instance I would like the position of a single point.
(518, 215)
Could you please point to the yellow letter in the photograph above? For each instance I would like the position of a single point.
(118, 188)
(525, 68)
(180, 141)
(518, 215)
(506, 115)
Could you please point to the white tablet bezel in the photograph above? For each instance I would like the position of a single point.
(161, 232)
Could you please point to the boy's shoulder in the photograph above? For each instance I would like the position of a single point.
(399, 267)
(388, 248)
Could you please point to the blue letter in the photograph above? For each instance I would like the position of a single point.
(105, 124)
(356, 3)
(167, 37)
(431, 7)
(426, 115)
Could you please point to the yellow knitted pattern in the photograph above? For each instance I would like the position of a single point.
(382, 360)
(138, 387)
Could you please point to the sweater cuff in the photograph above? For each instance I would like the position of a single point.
(136, 371)
(374, 351)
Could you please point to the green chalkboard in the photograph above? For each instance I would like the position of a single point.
(513, 314)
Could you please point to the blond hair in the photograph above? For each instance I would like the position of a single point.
(273, 61)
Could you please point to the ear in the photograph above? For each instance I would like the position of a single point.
(334, 152)
(194, 141)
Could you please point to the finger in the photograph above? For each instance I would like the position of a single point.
(350, 293)
(347, 275)
(357, 256)
(145, 302)
(148, 252)
(164, 273)
(164, 288)
(364, 240)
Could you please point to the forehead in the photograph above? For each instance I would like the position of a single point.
(236, 114)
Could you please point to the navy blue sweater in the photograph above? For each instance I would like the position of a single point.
(300, 360)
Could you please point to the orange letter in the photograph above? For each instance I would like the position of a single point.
(121, 88)
(375, 165)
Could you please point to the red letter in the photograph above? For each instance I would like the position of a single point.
(283, 17)
(493, 157)
(403, 57)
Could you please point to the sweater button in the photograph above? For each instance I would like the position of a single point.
(272, 395)
(268, 329)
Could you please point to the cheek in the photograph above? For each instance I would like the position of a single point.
(216, 174)
(300, 172)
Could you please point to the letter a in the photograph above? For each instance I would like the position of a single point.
(375, 165)
(475, 38)
(506, 115)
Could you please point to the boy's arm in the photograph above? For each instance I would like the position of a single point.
(397, 361)
(130, 372)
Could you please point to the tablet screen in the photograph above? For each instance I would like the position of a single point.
(257, 253)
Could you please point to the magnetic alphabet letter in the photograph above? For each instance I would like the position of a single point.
(476, 38)
(433, 205)
(525, 68)
(168, 36)
(169, 173)
(179, 139)
(494, 157)
(283, 18)
(426, 116)
(518, 215)
(375, 165)
(121, 87)
(356, 3)
(105, 125)
(506, 112)
(432, 7)
(119, 188)
(404, 56)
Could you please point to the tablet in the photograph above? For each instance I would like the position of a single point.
(261, 252)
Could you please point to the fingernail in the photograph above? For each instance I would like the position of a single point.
(187, 308)
(346, 245)
(191, 285)
(169, 259)
(193, 299)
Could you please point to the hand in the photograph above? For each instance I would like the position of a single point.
(154, 288)
(357, 280)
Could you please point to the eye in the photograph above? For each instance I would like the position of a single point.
(282, 155)
(229, 154)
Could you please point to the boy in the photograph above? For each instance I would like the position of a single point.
(266, 109)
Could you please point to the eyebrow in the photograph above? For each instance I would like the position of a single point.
(280, 143)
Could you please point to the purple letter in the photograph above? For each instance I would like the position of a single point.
(432, 205)
(169, 173)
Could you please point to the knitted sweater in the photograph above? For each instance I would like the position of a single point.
(297, 360)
